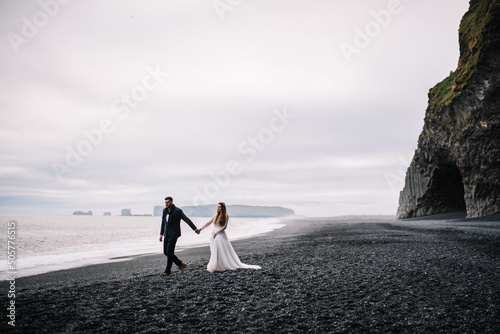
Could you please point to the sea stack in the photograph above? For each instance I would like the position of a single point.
(126, 212)
(456, 166)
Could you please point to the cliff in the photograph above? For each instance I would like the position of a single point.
(457, 162)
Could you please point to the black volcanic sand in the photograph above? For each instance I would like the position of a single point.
(332, 275)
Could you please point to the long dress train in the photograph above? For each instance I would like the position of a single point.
(222, 255)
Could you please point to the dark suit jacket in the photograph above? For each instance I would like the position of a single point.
(172, 228)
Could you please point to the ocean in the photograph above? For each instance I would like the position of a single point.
(36, 244)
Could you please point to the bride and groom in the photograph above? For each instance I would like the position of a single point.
(222, 255)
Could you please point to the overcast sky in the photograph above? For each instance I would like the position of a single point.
(312, 105)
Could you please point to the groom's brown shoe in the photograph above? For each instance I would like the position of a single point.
(182, 267)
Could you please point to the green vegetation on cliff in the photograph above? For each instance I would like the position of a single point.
(471, 35)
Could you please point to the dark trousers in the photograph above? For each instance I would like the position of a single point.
(168, 250)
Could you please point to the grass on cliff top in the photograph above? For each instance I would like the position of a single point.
(472, 29)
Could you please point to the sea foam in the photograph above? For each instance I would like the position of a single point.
(45, 243)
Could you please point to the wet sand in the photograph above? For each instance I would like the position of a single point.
(354, 274)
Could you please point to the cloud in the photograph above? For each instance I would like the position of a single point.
(78, 91)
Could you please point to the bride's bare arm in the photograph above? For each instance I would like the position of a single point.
(208, 223)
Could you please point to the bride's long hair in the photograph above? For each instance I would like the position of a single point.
(222, 217)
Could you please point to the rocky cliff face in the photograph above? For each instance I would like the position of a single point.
(457, 163)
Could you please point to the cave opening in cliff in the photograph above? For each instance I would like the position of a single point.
(448, 189)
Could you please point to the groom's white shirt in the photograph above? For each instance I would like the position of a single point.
(166, 221)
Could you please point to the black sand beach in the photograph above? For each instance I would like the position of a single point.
(333, 275)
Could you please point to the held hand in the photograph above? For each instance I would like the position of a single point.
(197, 231)
(161, 238)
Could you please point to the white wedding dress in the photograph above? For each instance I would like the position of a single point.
(222, 255)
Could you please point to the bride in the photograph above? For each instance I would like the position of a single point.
(222, 255)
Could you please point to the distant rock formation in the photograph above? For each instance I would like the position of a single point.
(246, 211)
(107, 213)
(81, 213)
(457, 162)
(158, 210)
(126, 212)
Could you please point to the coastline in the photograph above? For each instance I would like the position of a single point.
(113, 268)
(51, 249)
(334, 275)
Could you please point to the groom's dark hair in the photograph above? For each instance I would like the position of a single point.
(168, 198)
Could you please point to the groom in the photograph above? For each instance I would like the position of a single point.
(170, 231)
